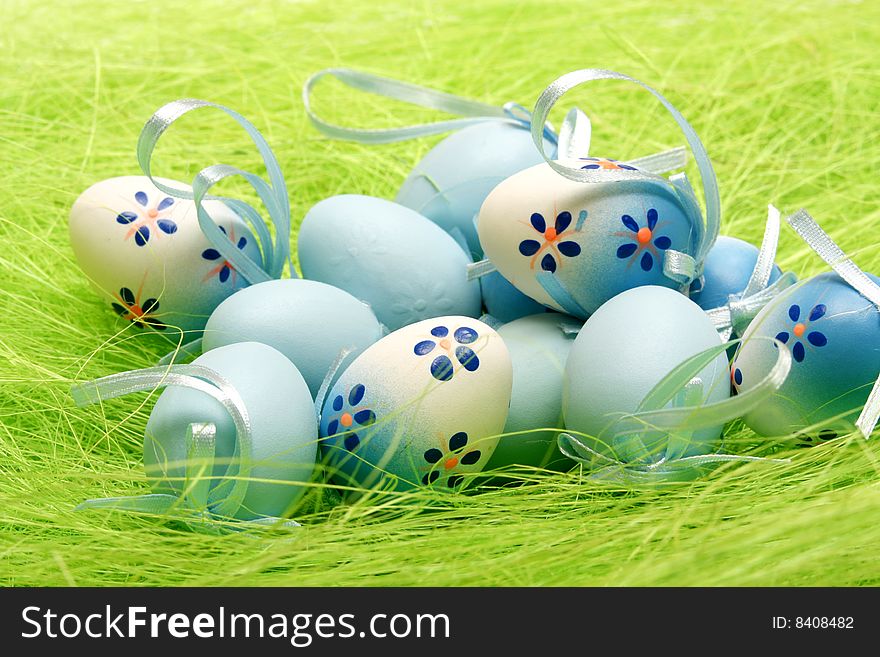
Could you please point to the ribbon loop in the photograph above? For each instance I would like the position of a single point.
(474, 111)
(818, 240)
(273, 194)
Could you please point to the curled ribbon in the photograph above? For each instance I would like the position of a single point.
(741, 309)
(818, 240)
(273, 194)
(200, 506)
(686, 415)
(681, 267)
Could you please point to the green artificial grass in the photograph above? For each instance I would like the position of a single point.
(784, 95)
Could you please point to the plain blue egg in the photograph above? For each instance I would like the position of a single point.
(538, 346)
(406, 267)
(833, 334)
(451, 182)
(504, 302)
(307, 321)
(727, 269)
(282, 417)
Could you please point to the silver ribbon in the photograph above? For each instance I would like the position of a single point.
(818, 240)
(652, 418)
(741, 309)
(201, 507)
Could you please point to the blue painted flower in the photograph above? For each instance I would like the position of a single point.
(349, 416)
(800, 329)
(645, 242)
(441, 366)
(552, 241)
(225, 268)
(605, 164)
(452, 454)
(147, 217)
(139, 313)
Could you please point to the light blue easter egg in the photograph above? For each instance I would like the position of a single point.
(309, 322)
(726, 271)
(451, 182)
(622, 352)
(538, 347)
(422, 406)
(572, 246)
(504, 302)
(391, 257)
(834, 336)
(282, 419)
(145, 253)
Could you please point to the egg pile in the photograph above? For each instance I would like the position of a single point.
(395, 368)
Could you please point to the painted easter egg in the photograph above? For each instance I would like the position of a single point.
(282, 419)
(622, 352)
(307, 321)
(726, 271)
(422, 406)
(451, 182)
(504, 302)
(144, 252)
(834, 336)
(572, 245)
(538, 347)
(391, 257)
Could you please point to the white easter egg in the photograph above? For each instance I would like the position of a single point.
(546, 233)
(144, 252)
(626, 347)
(422, 406)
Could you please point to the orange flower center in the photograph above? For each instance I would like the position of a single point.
(152, 214)
(799, 329)
(550, 234)
(445, 343)
(644, 235)
(346, 420)
(451, 462)
(136, 310)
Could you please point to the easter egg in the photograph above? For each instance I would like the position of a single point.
(538, 346)
(282, 419)
(307, 321)
(594, 240)
(422, 406)
(391, 257)
(834, 336)
(451, 182)
(622, 352)
(726, 271)
(145, 253)
(503, 301)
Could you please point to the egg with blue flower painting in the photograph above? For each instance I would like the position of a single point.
(621, 353)
(391, 257)
(572, 246)
(144, 252)
(423, 406)
(282, 421)
(451, 182)
(833, 334)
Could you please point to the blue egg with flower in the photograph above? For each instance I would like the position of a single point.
(451, 182)
(404, 266)
(833, 334)
(423, 406)
(572, 246)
